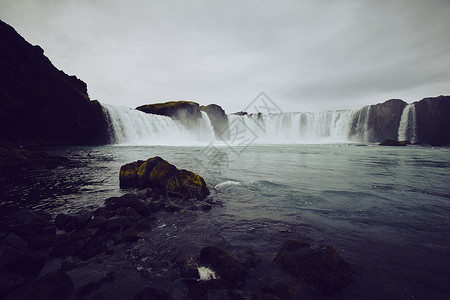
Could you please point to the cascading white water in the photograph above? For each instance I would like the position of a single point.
(323, 127)
(360, 119)
(130, 126)
(407, 127)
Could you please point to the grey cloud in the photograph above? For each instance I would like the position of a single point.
(308, 55)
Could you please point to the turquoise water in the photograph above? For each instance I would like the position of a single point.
(385, 209)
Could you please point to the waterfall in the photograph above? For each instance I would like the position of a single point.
(360, 124)
(408, 125)
(323, 127)
(133, 127)
(130, 126)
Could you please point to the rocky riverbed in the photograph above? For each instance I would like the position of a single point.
(148, 245)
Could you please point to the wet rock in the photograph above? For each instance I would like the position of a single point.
(19, 260)
(55, 285)
(149, 293)
(117, 223)
(71, 264)
(128, 201)
(97, 221)
(72, 222)
(190, 268)
(27, 223)
(250, 259)
(158, 174)
(95, 285)
(321, 267)
(224, 264)
(394, 143)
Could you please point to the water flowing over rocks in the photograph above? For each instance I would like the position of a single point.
(41, 105)
(219, 120)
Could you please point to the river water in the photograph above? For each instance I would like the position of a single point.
(385, 209)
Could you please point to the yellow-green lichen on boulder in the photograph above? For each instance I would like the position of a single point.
(158, 174)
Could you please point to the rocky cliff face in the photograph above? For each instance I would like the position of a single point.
(40, 105)
(433, 120)
(219, 120)
(384, 120)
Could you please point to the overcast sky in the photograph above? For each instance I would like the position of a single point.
(305, 55)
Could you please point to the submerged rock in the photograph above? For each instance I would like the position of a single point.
(319, 266)
(394, 143)
(158, 174)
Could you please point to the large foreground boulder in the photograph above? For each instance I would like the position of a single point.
(160, 175)
(320, 267)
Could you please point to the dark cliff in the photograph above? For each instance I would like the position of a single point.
(219, 120)
(384, 120)
(433, 120)
(41, 105)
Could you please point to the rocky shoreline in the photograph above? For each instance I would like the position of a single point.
(94, 253)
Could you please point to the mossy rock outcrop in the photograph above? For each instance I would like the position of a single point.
(173, 109)
(318, 266)
(160, 175)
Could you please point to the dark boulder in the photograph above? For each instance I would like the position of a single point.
(41, 105)
(149, 293)
(433, 121)
(158, 174)
(57, 285)
(219, 120)
(128, 201)
(225, 265)
(72, 222)
(320, 267)
(394, 143)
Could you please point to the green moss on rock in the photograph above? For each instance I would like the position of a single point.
(159, 174)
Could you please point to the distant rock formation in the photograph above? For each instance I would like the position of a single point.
(433, 120)
(384, 120)
(218, 118)
(41, 105)
(178, 110)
